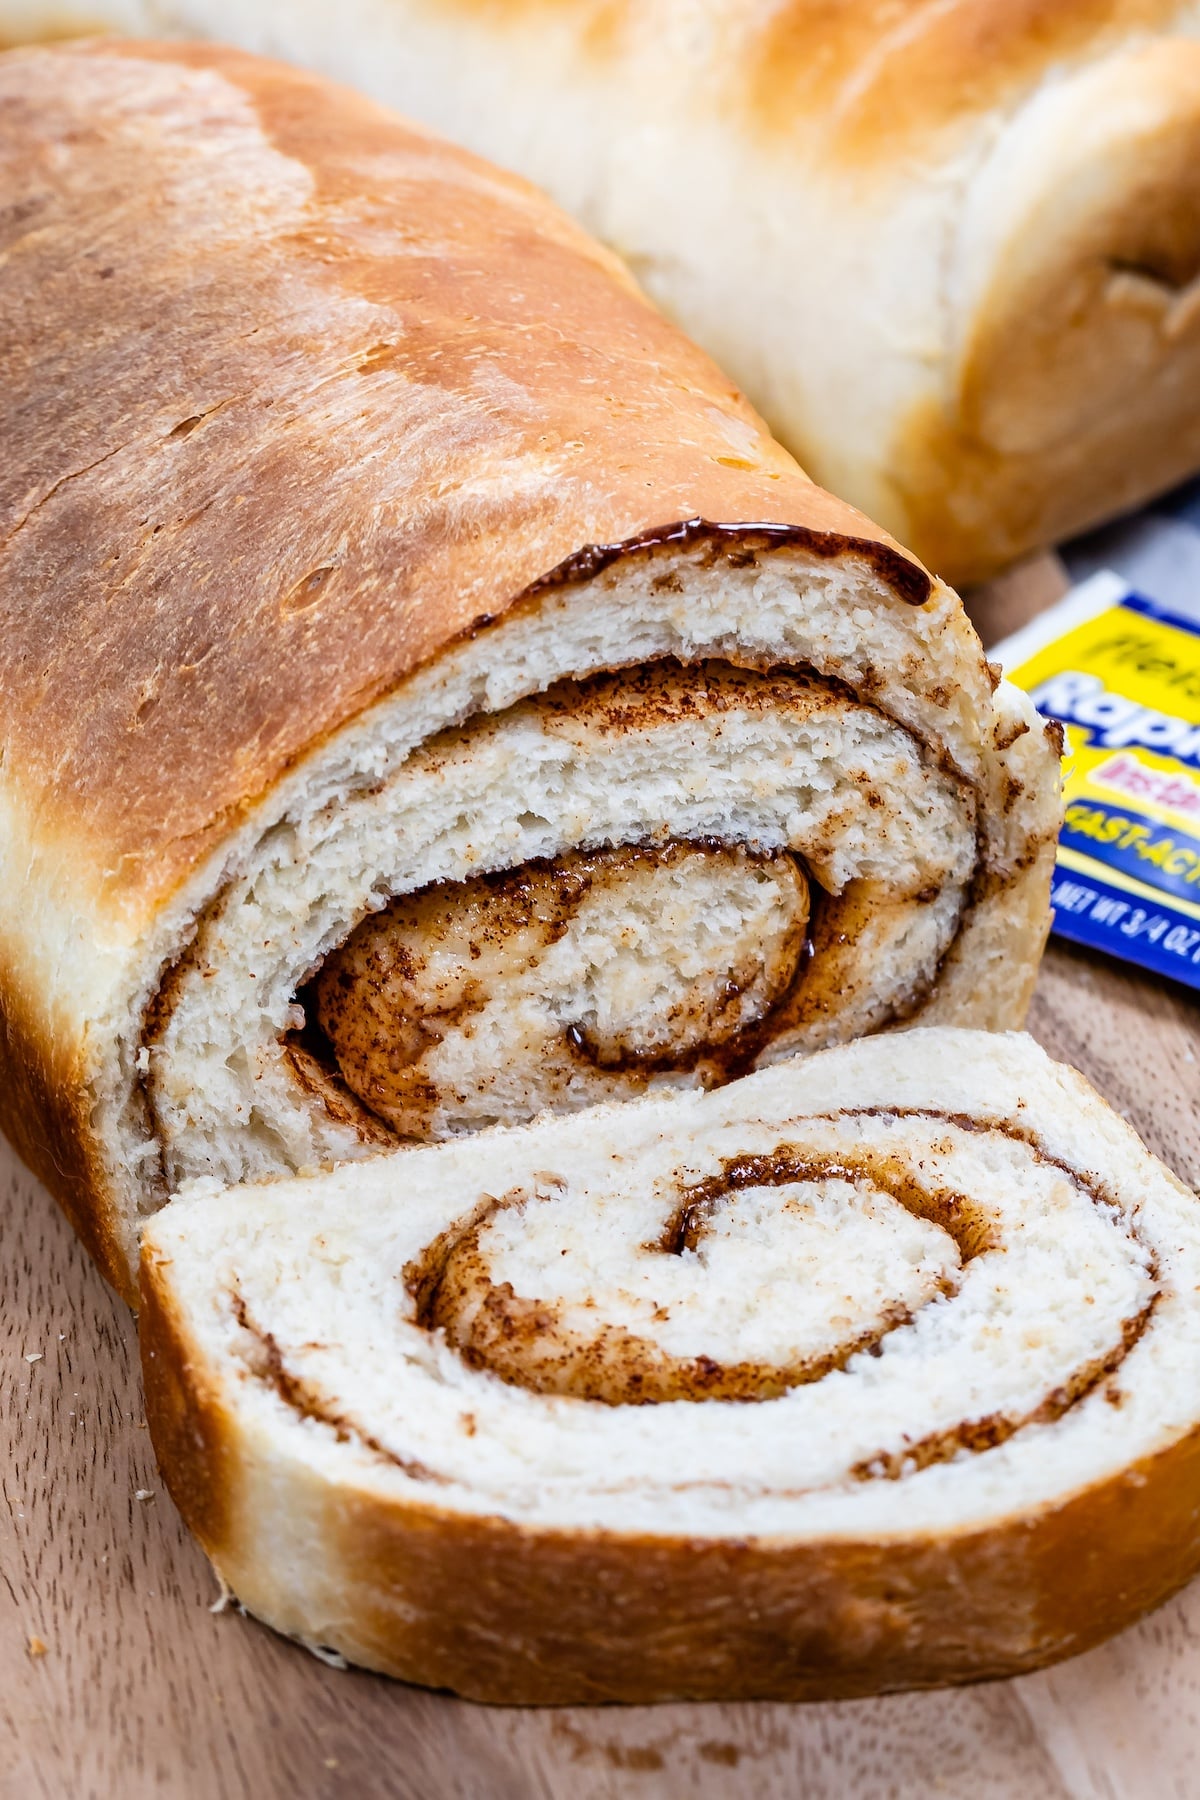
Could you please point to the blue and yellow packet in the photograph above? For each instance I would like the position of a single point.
(1121, 672)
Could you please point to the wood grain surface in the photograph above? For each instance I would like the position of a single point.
(117, 1678)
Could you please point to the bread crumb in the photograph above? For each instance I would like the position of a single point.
(35, 1647)
(225, 1598)
(144, 1494)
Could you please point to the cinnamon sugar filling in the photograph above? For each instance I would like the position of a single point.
(642, 959)
(597, 972)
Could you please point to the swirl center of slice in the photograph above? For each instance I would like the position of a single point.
(626, 960)
(749, 1288)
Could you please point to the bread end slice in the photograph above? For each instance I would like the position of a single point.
(425, 1516)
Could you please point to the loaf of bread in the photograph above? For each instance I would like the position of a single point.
(872, 1370)
(427, 693)
(951, 251)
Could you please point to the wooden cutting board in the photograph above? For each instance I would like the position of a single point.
(118, 1679)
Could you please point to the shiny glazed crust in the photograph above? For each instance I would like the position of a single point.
(217, 551)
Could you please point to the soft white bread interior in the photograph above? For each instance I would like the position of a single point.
(875, 1369)
(427, 692)
(951, 251)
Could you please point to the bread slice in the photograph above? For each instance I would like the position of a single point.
(874, 1370)
(380, 577)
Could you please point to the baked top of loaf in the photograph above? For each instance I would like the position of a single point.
(871, 78)
(920, 1301)
(952, 250)
(296, 396)
(877, 79)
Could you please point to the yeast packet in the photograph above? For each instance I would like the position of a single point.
(1121, 671)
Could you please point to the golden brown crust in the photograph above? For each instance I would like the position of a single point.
(732, 1620)
(888, 75)
(509, 1615)
(875, 75)
(194, 1436)
(45, 1116)
(249, 535)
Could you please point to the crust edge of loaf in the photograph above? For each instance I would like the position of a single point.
(512, 1615)
(45, 1114)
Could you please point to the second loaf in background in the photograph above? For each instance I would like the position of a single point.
(428, 694)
